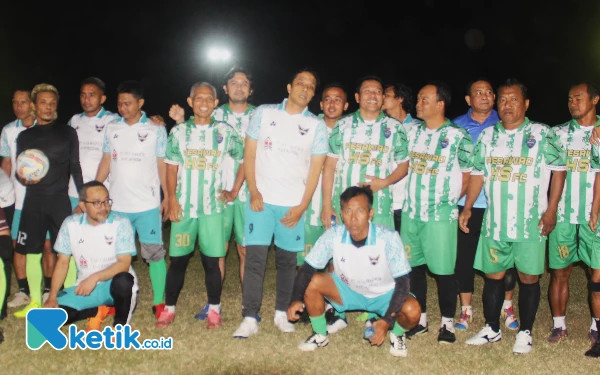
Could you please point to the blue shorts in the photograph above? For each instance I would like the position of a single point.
(14, 228)
(74, 202)
(262, 226)
(147, 224)
(99, 296)
(353, 301)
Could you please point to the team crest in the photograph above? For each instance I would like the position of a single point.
(444, 143)
(268, 144)
(302, 130)
(114, 154)
(100, 127)
(219, 138)
(375, 260)
(387, 132)
(109, 240)
(82, 262)
(142, 137)
(531, 141)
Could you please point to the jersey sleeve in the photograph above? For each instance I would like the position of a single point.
(465, 149)
(595, 163)
(400, 145)
(335, 142)
(555, 156)
(478, 159)
(395, 254)
(125, 244)
(173, 152)
(4, 144)
(319, 145)
(63, 240)
(253, 130)
(322, 252)
(161, 141)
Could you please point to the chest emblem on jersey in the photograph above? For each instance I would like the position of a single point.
(302, 130)
(344, 278)
(219, 138)
(268, 144)
(444, 143)
(142, 137)
(99, 128)
(374, 260)
(387, 132)
(82, 262)
(114, 154)
(273, 123)
(343, 260)
(109, 240)
(115, 136)
(531, 141)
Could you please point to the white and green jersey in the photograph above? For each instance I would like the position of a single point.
(438, 159)
(313, 212)
(367, 148)
(199, 152)
(516, 166)
(576, 200)
(398, 189)
(239, 122)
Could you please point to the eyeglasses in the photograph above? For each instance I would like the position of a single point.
(98, 204)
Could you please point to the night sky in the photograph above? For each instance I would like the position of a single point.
(164, 45)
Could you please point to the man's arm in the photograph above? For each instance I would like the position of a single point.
(378, 184)
(7, 166)
(473, 190)
(76, 172)
(465, 183)
(548, 220)
(121, 265)
(174, 212)
(162, 175)
(58, 279)
(256, 200)
(327, 190)
(595, 204)
(103, 168)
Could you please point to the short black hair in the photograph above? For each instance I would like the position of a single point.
(334, 85)
(305, 70)
(403, 91)
(367, 78)
(84, 188)
(443, 91)
(96, 82)
(592, 88)
(22, 89)
(479, 79)
(238, 69)
(355, 191)
(514, 82)
(131, 87)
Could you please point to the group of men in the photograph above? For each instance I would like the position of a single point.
(375, 197)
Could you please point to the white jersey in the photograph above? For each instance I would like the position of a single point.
(399, 187)
(135, 150)
(285, 145)
(370, 269)
(7, 192)
(8, 149)
(95, 247)
(90, 132)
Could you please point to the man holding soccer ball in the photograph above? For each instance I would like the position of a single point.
(46, 202)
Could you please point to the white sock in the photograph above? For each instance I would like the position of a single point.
(423, 320)
(507, 304)
(170, 309)
(448, 322)
(594, 327)
(215, 308)
(467, 309)
(560, 322)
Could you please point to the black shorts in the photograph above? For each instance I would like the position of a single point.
(41, 214)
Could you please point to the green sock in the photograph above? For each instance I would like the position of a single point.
(158, 278)
(34, 277)
(397, 330)
(71, 274)
(372, 316)
(2, 285)
(339, 314)
(319, 324)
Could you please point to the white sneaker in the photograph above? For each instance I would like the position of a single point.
(45, 297)
(281, 322)
(398, 346)
(248, 328)
(19, 299)
(523, 342)
(486, 335)
(337, 325)
(315, 341)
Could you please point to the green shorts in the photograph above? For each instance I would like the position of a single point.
(496, 256)
(432, 243)
(207, 228)
(311, 235)
(234, 221)
(566, 242)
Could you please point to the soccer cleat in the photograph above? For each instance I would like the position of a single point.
(248, 328)
(464, 320)
(93, 324)
(213, 319)
(398, 345)
(485, 336)
(593, 336)
(23, 313)
(594, 351)
(556, 335)
(337, 325)
(45, 297)
(19, 299)
(523, 342)
(510, 319)
(165, 319)
(111, 311)
(203, 314)
(158, 309)
(418, 330)
(446, 336)
(315, 341)
(283, 324)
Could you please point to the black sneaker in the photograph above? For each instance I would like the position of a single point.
(594, 351)
(418, 330)
(446, 337)
(330, 316)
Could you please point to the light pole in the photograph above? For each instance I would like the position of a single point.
(217, 57)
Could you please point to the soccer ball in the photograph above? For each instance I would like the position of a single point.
(32, 165)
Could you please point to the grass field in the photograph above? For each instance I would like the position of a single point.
(197, 350)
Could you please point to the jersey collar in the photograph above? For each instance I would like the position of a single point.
(573, 124)
(227, 108)
(359, 118)
(347, 239)
(501, 129)
(142, 119)
(447, 123)
(84, 219)
(190, 122)
(100, 114)
(283, 104)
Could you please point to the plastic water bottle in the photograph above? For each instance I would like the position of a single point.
(369, 332)
(333, 220)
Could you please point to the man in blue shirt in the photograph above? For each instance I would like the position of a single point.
(481, 114)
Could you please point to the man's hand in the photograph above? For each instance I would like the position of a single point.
(595, 137)
(547, 223)
(292, 217)
(256, 201)
(177, 113)
(86, 286)
(227, 196)
(32, 182)
(381, 329)
(593, 221)
(164, 208)
(158, 120)
(51, 303)
(463, 220)
(326, 214)
(375, 183)
(174, 211)
(295, 308)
